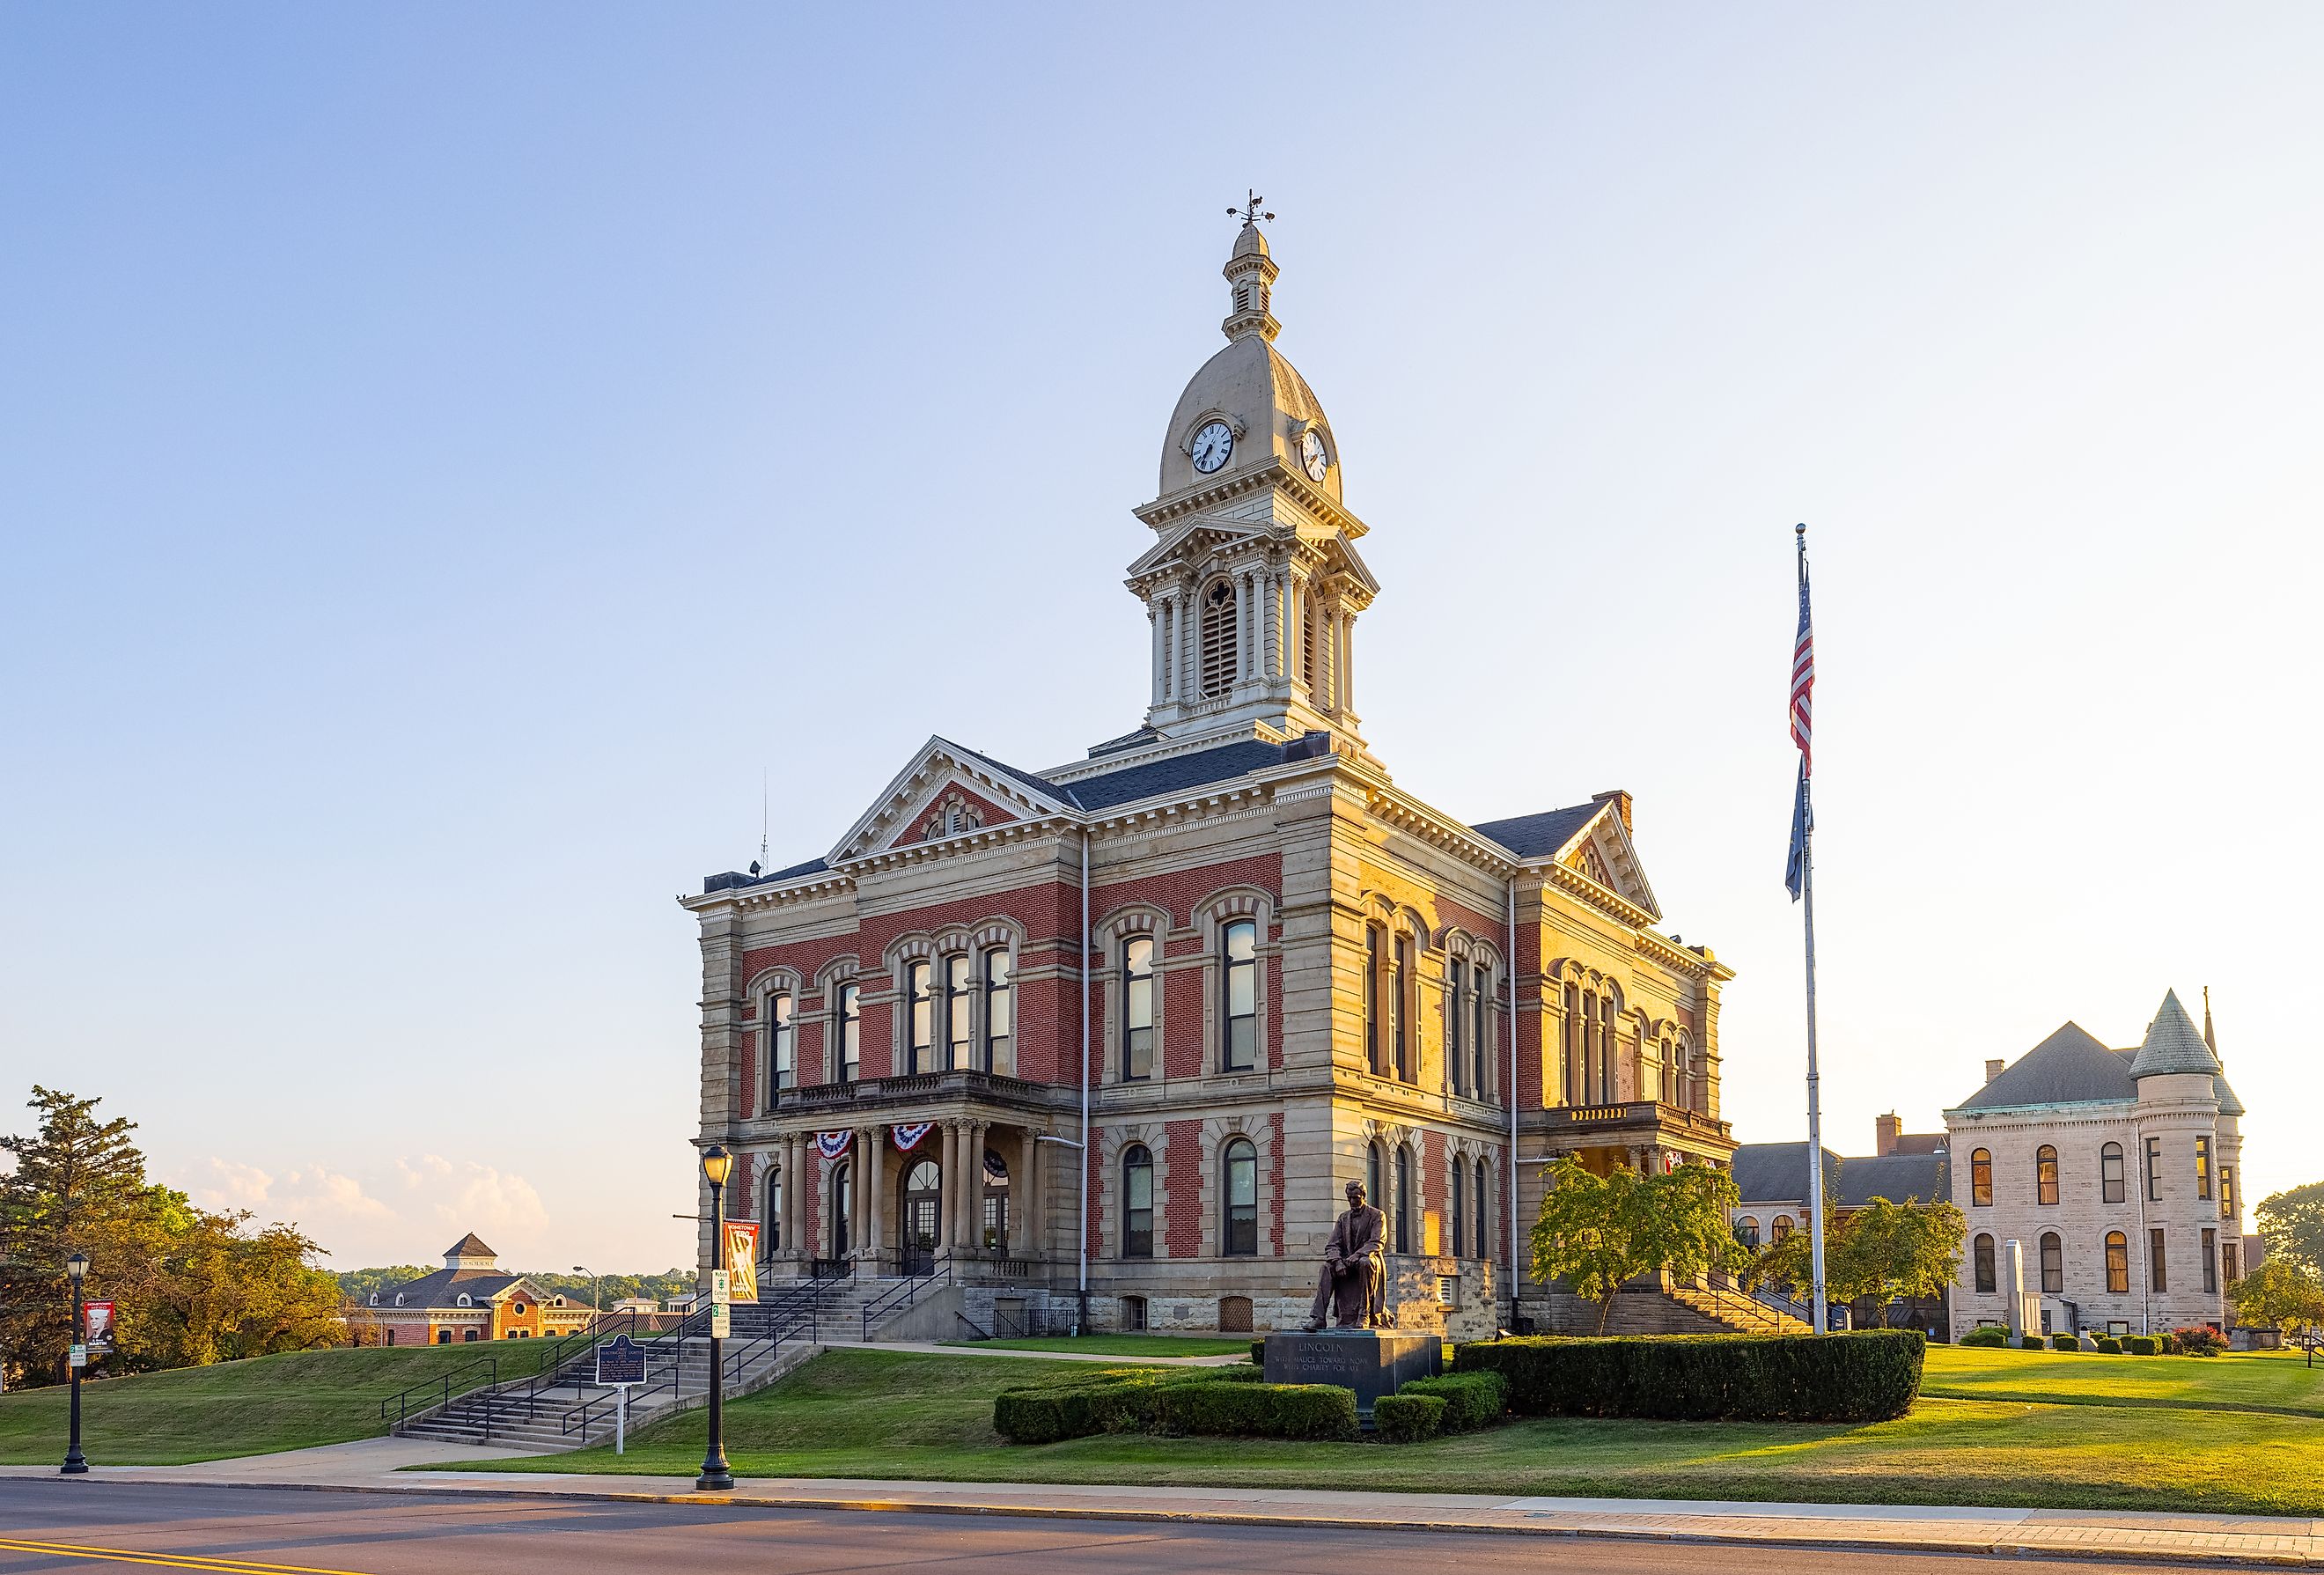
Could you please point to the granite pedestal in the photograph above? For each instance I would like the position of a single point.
(1372, 1362)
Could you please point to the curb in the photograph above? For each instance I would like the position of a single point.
(1903, 1544)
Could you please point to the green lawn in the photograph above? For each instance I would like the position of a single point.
(1121, 1345)
(240, 1408)
(2164, 1444)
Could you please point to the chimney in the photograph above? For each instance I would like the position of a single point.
(1621, 797)
(1886, 1130)
(1992, 1070)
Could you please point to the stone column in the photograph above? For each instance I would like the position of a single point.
(974, 1176)
(1028, 1226)
(1245, 645)
(1344, 669)
(873, 1158)
(1154, 624)
(1270, 624)
(947, 1210)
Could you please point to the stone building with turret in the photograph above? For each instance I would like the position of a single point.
(1261, 966)
(2116, 1171)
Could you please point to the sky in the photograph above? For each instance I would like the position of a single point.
(450, 457)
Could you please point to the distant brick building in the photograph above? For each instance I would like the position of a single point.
(2118, 1172)
(1298, 973)
(468, 1299)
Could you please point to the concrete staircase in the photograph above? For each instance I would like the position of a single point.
(1736, 1311)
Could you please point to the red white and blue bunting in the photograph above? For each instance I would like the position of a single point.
(831, 1145)
(909, 1133)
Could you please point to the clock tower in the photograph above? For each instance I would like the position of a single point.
(1253, 584)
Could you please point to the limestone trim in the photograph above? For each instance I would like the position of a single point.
(1271, 475)
(1212, 915)
(1109, 937)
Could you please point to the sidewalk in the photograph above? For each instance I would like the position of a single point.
(374, 1464)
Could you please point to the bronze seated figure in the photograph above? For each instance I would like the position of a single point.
(1353, 1283)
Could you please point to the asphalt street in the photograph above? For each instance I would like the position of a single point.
(82, 1525)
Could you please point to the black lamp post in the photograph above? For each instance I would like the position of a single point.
(717, 1475)
(75, 1465)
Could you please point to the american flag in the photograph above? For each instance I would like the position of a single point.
(1802, 669)
(1795, 869)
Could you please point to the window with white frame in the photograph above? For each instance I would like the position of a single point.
(1138, 1009)
(782, 1045)
(1239, 996)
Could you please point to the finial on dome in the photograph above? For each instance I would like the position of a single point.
(1250, 271)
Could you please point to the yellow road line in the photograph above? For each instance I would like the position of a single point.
(172, 1560)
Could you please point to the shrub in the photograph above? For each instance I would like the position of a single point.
(1987, 1334)
(1867, 1376)
(2200, 1340)
(1259, 1353)
(2143, 1344)
(1259, 1410)
(2065, 1343)
(1232, 1400)
(1405, 1417)
(2109, 1345)
(1472, 1400)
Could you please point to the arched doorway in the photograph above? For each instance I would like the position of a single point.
(843, 1210)
(993, 1216)
(920, 1207)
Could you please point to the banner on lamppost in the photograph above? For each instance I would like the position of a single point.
(743, 1260)
(97, 1326)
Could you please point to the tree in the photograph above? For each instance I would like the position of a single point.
(1884, 1251)
(191, 1286)
(2292, 1221)
(2282, 1296)
(1597, 1233)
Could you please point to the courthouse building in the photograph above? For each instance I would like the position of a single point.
(1297, 973)
(2116, 1172)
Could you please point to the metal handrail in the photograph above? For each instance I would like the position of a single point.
(402, 1399)
(696, 1324)
(903, 1295)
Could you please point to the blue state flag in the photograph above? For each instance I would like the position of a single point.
(1795, 868)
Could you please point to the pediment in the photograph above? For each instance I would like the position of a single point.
(1601, 851)
(1192, 541)
(946, 791)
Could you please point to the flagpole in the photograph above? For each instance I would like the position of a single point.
(1806, 816)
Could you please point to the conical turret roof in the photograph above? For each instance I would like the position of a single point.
(2173, 1044)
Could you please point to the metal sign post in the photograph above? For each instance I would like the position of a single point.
(621, 1362)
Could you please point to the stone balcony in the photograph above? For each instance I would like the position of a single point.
(881, 1096)
(1632, 1121)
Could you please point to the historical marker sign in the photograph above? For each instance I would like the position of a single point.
(621, 1360)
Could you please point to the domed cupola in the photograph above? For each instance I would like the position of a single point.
(1253, 584)
(1249, 409)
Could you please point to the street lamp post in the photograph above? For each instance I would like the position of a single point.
(596, 1284)
(717, 1475)
(75, 1465)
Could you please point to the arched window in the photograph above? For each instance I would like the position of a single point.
(2117, 1251)
(2053, 1264)
(1480, 1042)
(462, 1300)
(993, 1204)
(1981, 1255)
(1375, 962)
(1573, 1037)
(1138, 1009)
(1456, 1009)
(1000, 1014)
(1399, 1019)
(1484, 1213)
(1373, 1164)
(1240, 1238)
(1747, 1231)
(920, 1207)
(1460, 1210)
(2045, 1175)
(1609, 1090)
(960, 1001)
(782, 1045)
(920, 1050)
(1239, 1003)
(851, 1033)
(772, 1230)
(1980, 1178)
(1782, 1230)
(843, 1209)
(1137, 1201)
(1403, 1197)
(2110, 1185)
(1218, 638)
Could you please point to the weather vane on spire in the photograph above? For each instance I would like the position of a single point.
(1249, 214)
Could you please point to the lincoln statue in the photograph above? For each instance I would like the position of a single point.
(1354, 1278)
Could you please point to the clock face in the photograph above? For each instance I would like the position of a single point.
(1211, 445)
(1312, 455)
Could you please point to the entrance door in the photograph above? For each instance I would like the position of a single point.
(919, 1210)
(993, 1220)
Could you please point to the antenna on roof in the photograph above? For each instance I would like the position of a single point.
(762, 815)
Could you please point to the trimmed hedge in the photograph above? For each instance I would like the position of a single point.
(2109, 1345)
(1985, 1334)
(2143, 1344)
(1233, 1401)
(2032, 1343)
(1866, 1377)
(1472, 1400)
(1405, 1417)
(2065, 1343)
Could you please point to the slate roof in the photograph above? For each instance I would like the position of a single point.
(2173, 1044)
(1777, 1173)
(1531, 836)
(469, 1246)
(2068, 1068)
(1173, 774)
(2228, 1104)
(440, 1288)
